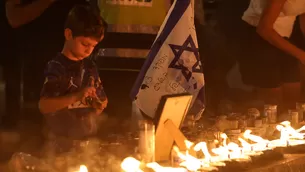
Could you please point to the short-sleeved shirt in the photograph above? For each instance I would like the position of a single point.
(64, 76)
(284, 23)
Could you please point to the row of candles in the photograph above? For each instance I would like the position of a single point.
(225, 152)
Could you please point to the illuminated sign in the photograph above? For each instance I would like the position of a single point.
(143, 3)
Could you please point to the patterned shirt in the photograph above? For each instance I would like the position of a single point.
(64, 76)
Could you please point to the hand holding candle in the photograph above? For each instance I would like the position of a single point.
(95, 101)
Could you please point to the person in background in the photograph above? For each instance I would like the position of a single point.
(72, 97)
(298, 39)
(11, 73)
(268, 60)
(38, 30)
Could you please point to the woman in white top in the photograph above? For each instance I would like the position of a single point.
(268, 60)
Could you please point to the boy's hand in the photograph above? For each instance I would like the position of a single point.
(87, 92)
(98, 104)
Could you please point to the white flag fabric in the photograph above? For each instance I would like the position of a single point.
(173, 65)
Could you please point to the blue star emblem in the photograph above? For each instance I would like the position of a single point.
(177, 62)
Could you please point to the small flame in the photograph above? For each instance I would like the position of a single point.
(131, 165)
(260, 143)
(156, 167)
(82, 168)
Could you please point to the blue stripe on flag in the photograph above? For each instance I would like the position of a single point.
(176, 14)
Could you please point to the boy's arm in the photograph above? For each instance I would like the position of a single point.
(18, 14)
(52, 104)
(54, 86)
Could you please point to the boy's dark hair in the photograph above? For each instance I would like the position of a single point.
(85, 21)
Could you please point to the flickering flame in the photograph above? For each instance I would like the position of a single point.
(208, 160)
(257, 139)
(289, 136)
(188, 161)
(156, 167)
(250, 145)
(260, 143)
(131, 165)
(82, 168)
(250, 149)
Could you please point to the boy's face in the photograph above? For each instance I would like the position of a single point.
(80, 46)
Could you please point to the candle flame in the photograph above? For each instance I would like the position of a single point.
(82, 168)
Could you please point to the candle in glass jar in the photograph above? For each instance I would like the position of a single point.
(147, 140)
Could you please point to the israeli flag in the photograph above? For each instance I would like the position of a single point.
(173, 65)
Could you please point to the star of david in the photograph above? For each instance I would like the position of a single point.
(178, 50)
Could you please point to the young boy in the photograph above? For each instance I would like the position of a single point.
(72, 96)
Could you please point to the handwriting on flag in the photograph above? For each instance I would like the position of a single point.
(186, 64)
